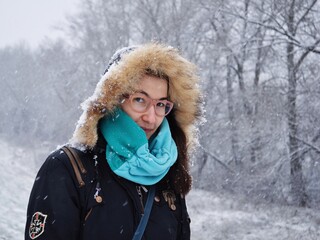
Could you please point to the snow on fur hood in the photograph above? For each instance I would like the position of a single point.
(124, 74)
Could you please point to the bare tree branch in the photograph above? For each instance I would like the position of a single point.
(309, 144)
(305, 14)
(216, 159)
(305, 54)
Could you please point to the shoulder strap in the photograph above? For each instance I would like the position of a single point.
(144, 220)
(84, 189)
(76, 164)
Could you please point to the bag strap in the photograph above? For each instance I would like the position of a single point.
(144, 220)
(76, 164)
(83, 189)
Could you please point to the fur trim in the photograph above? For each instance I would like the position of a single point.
(123, 76)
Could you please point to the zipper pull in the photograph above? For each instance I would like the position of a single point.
(96, 195)
(144, 189)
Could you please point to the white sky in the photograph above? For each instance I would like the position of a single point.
(31, 20)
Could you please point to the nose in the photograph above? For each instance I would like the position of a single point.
(150, 115)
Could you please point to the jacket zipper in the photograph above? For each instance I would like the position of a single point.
(140, 197)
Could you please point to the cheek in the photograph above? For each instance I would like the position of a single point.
(158, 123)
(134, 115)
(128, 110)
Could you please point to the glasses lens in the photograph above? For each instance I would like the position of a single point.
(139, 103)
(168, 107)
(163, 107)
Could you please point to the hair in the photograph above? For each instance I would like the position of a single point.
(158, 74)
(178, 177)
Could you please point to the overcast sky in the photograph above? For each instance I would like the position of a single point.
(32, 20)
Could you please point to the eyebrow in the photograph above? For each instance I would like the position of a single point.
(145, 93)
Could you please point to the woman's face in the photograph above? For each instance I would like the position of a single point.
(154, 88)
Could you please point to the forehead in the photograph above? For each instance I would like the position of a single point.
(155, 87)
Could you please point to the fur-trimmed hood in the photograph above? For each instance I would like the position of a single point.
(123, 75)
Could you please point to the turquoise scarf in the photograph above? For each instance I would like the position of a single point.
(129, 153)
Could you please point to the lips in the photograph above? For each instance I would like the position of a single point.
(147, 130)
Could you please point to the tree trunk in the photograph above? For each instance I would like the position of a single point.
(232, 122)
(255, 138)
(296, 174)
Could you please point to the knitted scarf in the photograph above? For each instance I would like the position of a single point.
(130, 154)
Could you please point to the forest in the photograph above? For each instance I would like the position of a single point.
(259, 64)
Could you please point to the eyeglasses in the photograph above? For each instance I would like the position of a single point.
(141, 103)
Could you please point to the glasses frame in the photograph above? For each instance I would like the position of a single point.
(150, 102)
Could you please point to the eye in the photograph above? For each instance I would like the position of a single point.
(139, 100)
(161, 104)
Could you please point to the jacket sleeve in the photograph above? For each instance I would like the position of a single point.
(54, 206)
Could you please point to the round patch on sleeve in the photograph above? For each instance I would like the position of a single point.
(37, 225)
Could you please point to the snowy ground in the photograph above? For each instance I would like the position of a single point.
(214, 216)
(224, 218)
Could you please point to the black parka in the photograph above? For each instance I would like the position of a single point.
(58, 209)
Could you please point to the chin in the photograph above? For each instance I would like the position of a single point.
(149, 135)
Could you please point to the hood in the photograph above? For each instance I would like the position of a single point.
(123, 75)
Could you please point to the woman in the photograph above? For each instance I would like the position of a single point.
(133, 139)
